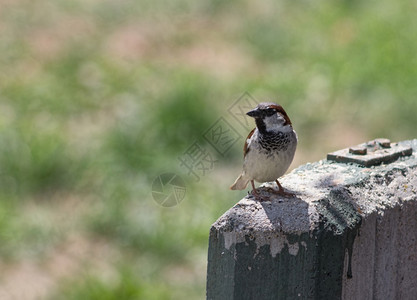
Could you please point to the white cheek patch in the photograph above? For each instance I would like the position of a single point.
(274, 123)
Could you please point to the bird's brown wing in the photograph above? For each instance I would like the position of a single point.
(246, 146)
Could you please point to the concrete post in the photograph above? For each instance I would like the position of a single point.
(350, 232)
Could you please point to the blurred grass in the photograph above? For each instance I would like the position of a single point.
(98, 98)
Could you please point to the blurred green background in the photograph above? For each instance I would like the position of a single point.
(97, 98)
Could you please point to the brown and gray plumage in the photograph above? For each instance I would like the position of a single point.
(269, 148)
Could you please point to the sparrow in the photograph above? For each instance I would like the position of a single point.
(269, 148)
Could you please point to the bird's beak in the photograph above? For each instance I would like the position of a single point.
(254, 113)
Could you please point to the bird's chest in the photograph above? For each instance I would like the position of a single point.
(272, 143)
(269, 157)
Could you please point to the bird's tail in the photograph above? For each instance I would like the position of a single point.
(240, 183)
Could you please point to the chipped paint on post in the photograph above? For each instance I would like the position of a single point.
(275, 241)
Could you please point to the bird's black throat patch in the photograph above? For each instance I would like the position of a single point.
(261, 125)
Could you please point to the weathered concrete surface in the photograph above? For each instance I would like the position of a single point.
(348, 233)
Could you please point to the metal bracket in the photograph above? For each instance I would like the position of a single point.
(371, 153)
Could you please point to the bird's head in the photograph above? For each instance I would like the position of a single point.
(270, 117)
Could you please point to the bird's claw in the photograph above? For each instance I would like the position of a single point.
(257, 196)
(280, 192)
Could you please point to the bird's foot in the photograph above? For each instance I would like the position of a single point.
(257, 196)
(280, 192)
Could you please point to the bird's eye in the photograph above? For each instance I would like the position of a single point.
(270, 111)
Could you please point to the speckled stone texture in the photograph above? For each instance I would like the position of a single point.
(349, 232)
